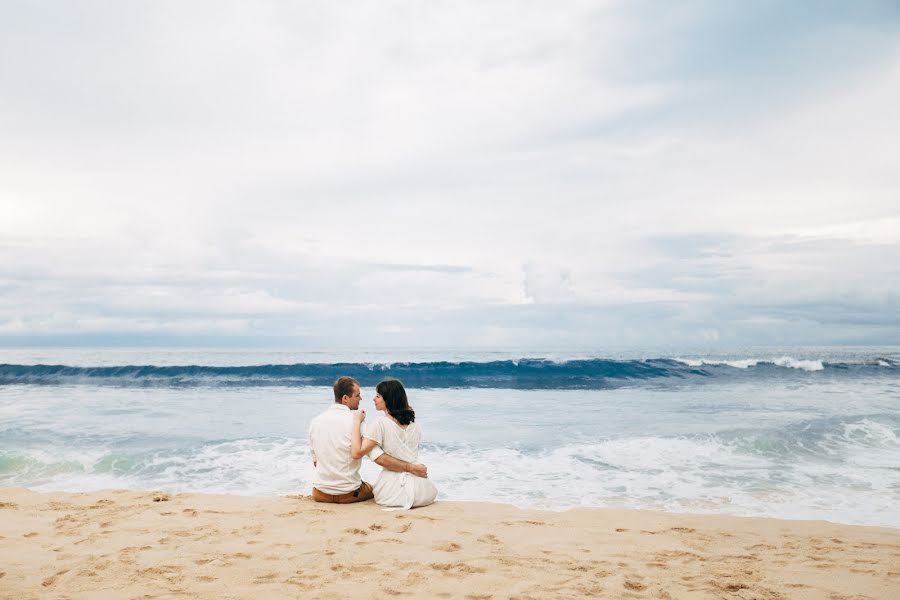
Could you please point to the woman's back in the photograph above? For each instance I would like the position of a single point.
(399, 442)
(394, 489)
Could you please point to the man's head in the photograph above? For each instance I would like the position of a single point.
(346, 392)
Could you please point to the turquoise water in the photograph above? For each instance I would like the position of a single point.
(752, 433)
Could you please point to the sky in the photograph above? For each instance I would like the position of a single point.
(449, 174)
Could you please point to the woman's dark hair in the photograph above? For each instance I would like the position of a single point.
(391, 390)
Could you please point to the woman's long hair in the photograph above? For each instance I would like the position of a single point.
(391, 390)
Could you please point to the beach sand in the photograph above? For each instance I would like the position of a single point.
(126, 544)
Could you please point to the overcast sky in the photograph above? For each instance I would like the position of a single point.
(449, 174)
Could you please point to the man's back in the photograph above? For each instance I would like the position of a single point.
(329, 443)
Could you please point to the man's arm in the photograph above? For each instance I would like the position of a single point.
(401, 466)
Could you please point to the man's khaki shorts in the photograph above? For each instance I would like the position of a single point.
(363, 493)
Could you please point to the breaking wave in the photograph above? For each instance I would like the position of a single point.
(525, 373)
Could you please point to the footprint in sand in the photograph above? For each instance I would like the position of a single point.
(183, 532)
(391, 591)
(593, 590)
(129, 550)
(30, 535)
(419, 517)
(447, 547)
(490, 539)
(164, 571)
(761, 547)
(634, 585)
(457, 568)
(578, 568)
(391, 540)
(52, 579)
(248, 530)
(414, 579)
(376, 527)
(356, 531)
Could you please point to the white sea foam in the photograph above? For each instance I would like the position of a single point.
(699, 474)
(737, 364)
(676, 475)
(746, 363)
(793, 363)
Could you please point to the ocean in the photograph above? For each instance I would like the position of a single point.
(796, 433)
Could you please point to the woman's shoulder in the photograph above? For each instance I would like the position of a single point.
(375, 429)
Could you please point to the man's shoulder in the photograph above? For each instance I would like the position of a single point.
(329, 416)
(319, 418)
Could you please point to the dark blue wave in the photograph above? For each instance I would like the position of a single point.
(509, 374)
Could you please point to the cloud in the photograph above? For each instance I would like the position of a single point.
(466, 174)
(545, 283)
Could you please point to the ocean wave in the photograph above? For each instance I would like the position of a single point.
(253, 466)
(834, 468)
(523, 373)
(787, 362)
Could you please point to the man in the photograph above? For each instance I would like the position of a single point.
(337, 473)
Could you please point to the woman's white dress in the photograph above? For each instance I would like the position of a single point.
(400, 490)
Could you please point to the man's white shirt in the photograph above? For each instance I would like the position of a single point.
(329, 444)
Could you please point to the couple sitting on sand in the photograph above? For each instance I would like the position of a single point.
(338, 441)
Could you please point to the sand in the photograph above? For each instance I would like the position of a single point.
(126, 544)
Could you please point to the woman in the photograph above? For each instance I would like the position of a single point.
(399, 435)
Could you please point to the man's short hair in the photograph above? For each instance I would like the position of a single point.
(344, 387)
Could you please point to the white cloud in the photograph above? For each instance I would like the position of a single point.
(264, 169)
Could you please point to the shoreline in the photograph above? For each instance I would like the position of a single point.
(124, 544)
